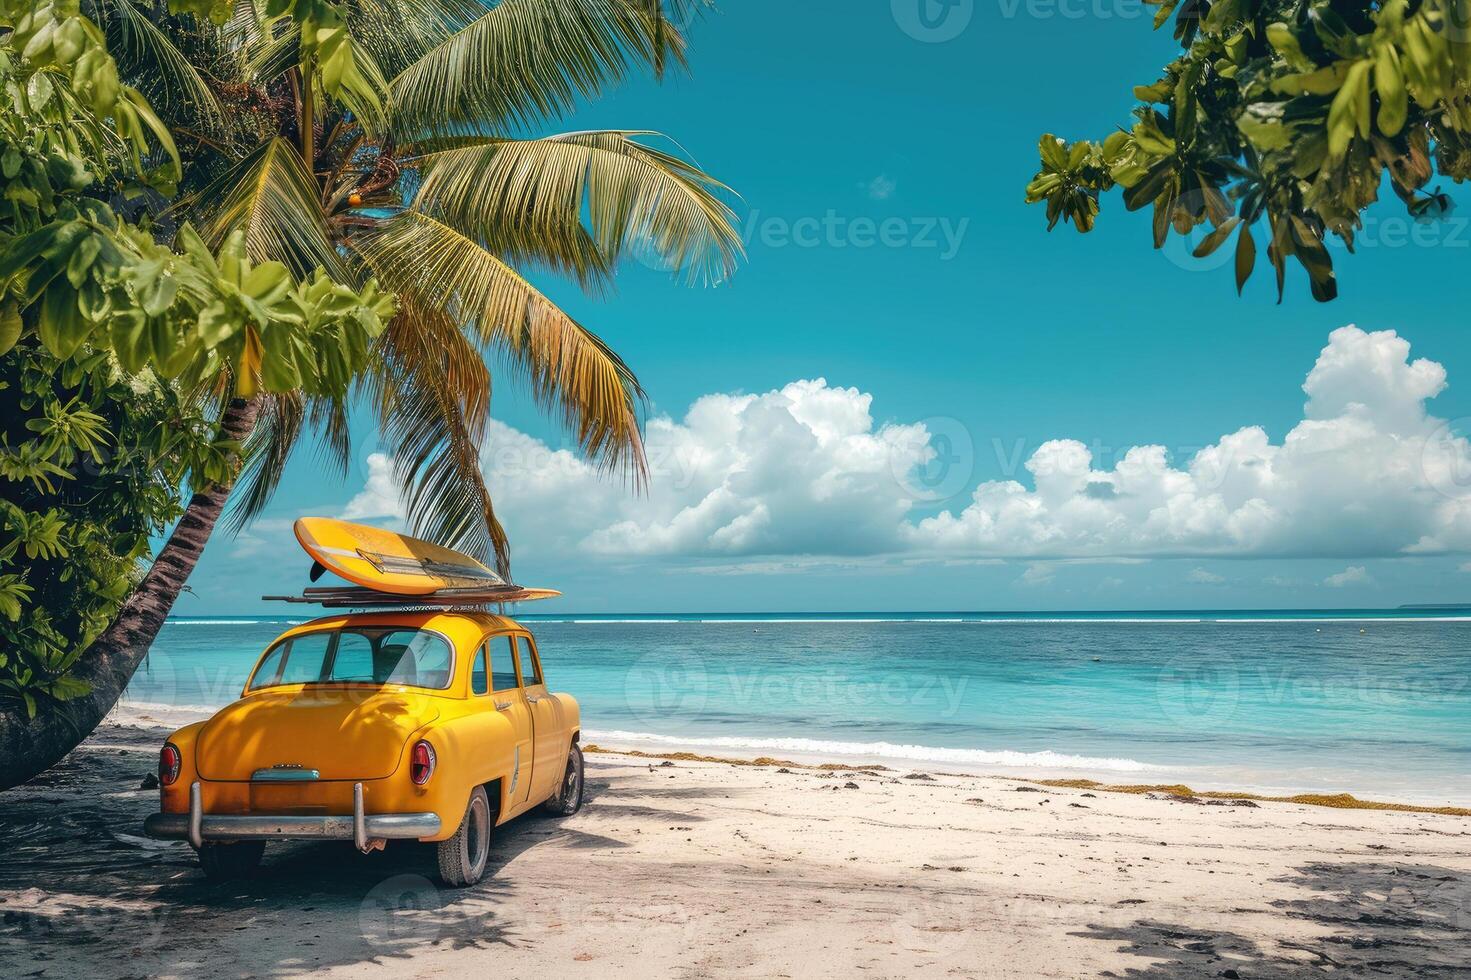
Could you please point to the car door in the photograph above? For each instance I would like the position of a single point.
(494, 678)
(546, 721)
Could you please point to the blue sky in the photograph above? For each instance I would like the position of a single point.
(891, 253)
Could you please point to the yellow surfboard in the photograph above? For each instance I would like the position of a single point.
(387, 561)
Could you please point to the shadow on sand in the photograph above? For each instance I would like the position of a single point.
(1376, 919)
(80, 878)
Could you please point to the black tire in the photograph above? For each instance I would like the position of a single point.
(225, 862)
(463, 857)
(568, 798)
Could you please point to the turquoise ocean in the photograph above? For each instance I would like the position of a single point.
(1373, 702)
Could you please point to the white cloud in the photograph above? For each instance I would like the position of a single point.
(1038, 573)
(805, 470)
(1352, 575)
(881, 188)
(1202, 577)
(379, 497)
(1365, 473)
(802, 470)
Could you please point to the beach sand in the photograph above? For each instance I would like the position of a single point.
(698, 869)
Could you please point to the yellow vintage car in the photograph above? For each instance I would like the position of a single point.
(429, 725)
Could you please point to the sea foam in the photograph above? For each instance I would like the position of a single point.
(884, 750)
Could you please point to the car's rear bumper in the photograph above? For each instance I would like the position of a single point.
(197, 827)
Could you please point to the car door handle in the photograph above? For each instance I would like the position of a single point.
(502, 705)
(531, 700)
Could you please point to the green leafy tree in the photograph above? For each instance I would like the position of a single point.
(91, 462)
(128, 368)
(1287, 116)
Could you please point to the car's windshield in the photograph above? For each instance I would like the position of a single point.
(358, 655)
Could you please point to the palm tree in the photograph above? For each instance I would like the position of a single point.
(389, 138)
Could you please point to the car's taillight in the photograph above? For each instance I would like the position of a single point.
(421, 763)
(169, 761)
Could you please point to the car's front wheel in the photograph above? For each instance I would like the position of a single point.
(463, 857)
(223, 862)
(568, 798)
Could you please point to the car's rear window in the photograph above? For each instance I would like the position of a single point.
(359, 655)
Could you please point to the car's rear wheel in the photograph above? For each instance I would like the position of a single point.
(223, 862)
(568, 798)
(463, 857)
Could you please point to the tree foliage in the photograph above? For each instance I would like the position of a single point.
(118, 342)
(76, 275)
(92, 462)
(1284, 114)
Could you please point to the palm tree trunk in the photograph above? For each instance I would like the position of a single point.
(31, 746)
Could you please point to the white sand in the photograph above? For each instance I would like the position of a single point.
(706, 869)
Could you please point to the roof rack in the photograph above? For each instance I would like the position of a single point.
(358, 597)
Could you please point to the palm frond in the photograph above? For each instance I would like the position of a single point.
(274, 200)
(400, 32)
(148, 56)
(329, 419)
(266, 452)
(432, 392)
(525, 61)
(244, 28)
(268, 59)
(568, 367)
(278, 430)
(538, 191)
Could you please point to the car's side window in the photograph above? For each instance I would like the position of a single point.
(480, 674)
(353, 661)
(502, 663)
(305, 658)
(530, 676)
(270, 667)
